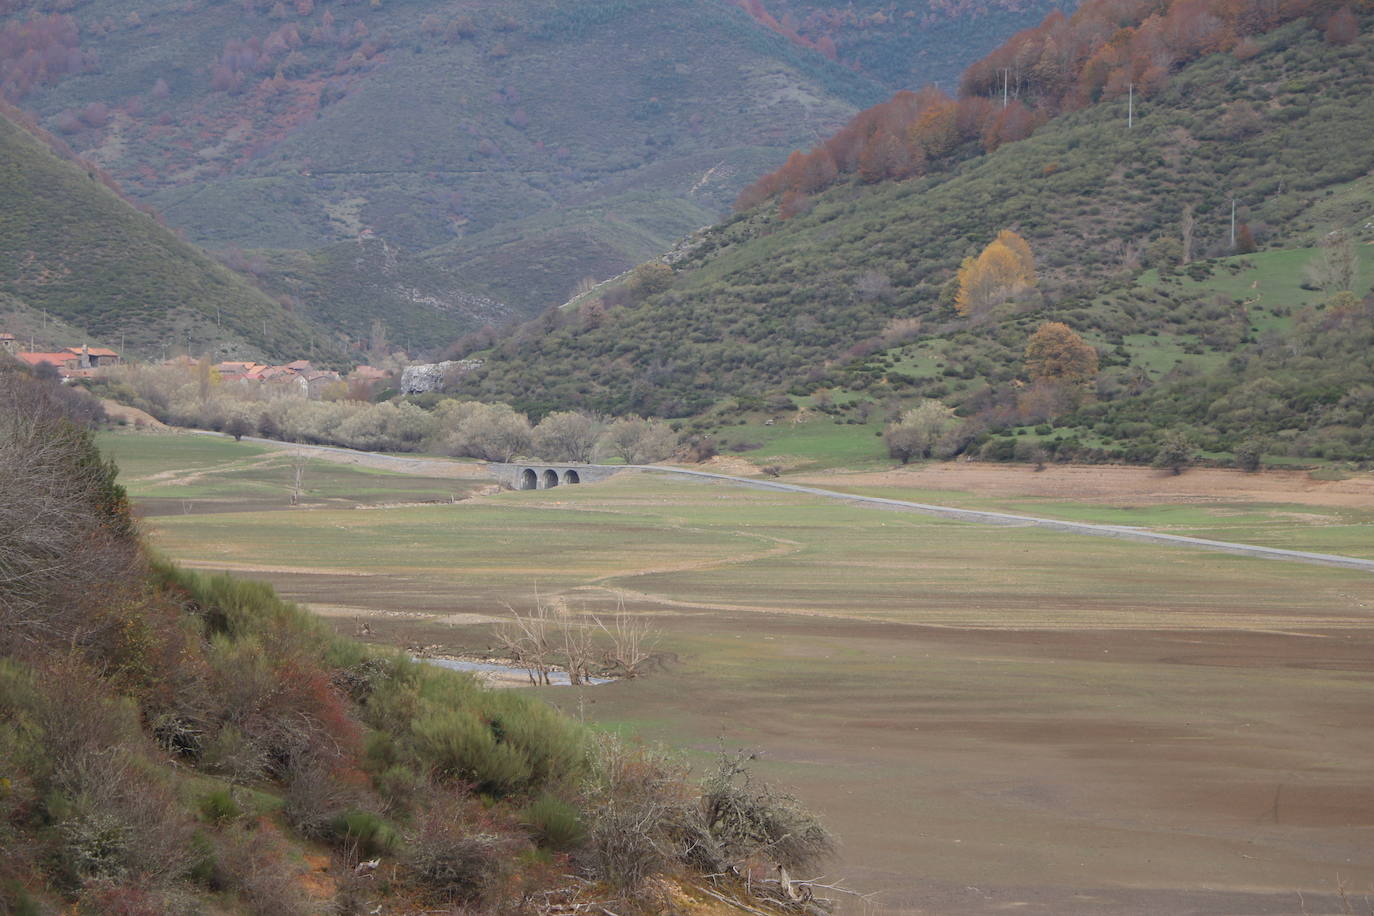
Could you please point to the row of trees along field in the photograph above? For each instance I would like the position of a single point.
(1106, 49)
(191, 395)
(173, 742)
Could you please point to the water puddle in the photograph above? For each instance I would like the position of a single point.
(506, 675)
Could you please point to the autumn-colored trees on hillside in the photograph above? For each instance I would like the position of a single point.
(787, 27)
(38, 50)
(898, 139)
(1055, 353)
(1005, 268)
(1104, 50)
(1108, 46)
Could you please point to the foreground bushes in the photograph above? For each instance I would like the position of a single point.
(174, 737)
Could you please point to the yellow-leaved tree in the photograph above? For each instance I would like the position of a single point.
(1055, 353)
(1005, 268)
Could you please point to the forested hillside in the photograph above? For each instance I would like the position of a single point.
(70, 247)
(522, 145)
(862, 283)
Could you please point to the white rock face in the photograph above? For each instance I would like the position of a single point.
(430, 376)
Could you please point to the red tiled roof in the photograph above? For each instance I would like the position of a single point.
(55, 359)
(299, 365)
(102, 352)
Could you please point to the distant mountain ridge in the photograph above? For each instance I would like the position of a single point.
(519, 146)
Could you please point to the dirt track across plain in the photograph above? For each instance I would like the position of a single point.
(438, 467)
(1006, 518)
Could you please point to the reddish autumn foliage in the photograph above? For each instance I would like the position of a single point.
(787, 27)
(38, 51)
(1104, 50)
(1342, 27)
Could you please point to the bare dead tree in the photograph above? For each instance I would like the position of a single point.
(1336, 265)
(525, 638)
(1189, 225)
(296, 475)
(577, 648)
(632, 642)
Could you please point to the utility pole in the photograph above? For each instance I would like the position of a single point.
(1130, 106)
(1233, 224)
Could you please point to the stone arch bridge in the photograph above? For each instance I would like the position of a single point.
(531, 476)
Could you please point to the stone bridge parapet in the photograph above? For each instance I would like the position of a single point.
(542, 476)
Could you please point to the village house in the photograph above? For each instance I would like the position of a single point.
(94, 357)
(70, 362)
(234, 371)
(8, 343)
(64, 362)
(317, 380)
(298, 375)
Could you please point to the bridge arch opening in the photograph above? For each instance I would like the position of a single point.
(550, 479)
(528, 479)
(571, 476)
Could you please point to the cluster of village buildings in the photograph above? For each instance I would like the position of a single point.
(81, 362)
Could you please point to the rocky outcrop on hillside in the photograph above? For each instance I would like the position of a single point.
(431, 376)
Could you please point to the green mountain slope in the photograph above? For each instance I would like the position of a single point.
(526, 145)
(767, 306)
(70, 247)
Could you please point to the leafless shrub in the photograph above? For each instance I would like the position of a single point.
(900, 330)
(455, 856)
(114, 816)
(567, 436)
(754, 823)
(639, 441)
(641, 819)
(64, 525)
(874, 285)
(491, 432)
(256, 863)
(315, 800)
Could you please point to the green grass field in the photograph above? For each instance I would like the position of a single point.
(181, 473)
